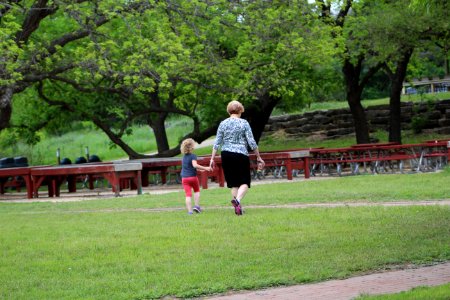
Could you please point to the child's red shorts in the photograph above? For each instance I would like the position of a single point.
(190, 183)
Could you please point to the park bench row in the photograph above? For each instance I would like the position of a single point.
(381, 158)
(117, 174)
(135, 174)
(165, 167)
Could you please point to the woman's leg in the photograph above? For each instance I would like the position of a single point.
(241, 192)
(234, 192)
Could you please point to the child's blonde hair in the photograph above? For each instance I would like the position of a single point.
(187, 146)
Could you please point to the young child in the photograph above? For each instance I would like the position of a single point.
(189, 169)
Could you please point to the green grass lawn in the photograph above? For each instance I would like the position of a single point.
(440, 292)
(362, 188)
(119, 249)
(137, 255)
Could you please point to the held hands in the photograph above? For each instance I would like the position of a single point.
(211, 164)
(204, 169)
(261, 163)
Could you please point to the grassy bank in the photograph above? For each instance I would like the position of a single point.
(441, 292)
(120, 249)
(140, 255)
(362, 188)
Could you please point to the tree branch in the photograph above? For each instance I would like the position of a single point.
(340, 19)
(38, 11)
(8, 6)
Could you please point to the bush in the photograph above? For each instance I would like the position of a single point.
(418, 123)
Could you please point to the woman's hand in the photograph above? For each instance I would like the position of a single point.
(211, 163)
(261, 163)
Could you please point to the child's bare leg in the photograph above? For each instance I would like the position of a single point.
(197, 198)
(189, 204)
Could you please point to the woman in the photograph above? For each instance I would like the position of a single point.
(234, 136)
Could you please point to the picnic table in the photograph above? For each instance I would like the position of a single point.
(385, 157)
(438, 141)
(54, 176)
(24, 172)
(374, 145)
(279, 163)
(216, 174)
(162, 166)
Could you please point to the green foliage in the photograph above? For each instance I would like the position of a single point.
(418, 123)
(153, 59)
(84, 134)
(420, 119)
(427, 64)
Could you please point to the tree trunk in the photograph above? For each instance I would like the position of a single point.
(395, 126)
(117, 140)
(199, 137)
(159, 129)
(5, 107)
(359, 118)
(258, 114)
(354, 90)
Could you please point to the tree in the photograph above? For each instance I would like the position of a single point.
(143, 76)
(44, 38)
(358, 67)
(397, 29)
(285, 47)
(189, 58)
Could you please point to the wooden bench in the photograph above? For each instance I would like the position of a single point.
(292, 160)
(24, 172)
(380, 157)
(162, 166)
(54, 176)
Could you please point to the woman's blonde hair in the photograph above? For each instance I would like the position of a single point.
(235, 107)
(187, 146)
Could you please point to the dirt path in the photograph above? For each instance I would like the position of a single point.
(373, 284)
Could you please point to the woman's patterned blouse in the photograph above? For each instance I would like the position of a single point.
(234, 135)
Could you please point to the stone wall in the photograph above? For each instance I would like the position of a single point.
(429, 116)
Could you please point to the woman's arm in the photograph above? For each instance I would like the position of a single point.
(249, 137)
(213, 154)
(217, 143)
(258, 158)
(253, 145)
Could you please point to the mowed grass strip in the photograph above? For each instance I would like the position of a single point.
(362, 188)
(140, 255)
(440, 292)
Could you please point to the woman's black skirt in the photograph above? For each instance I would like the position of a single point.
(236, 168)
